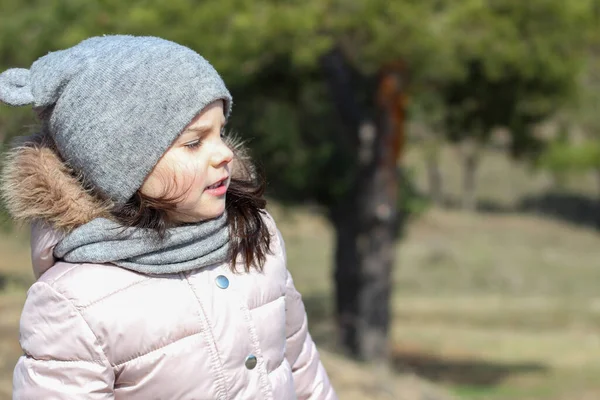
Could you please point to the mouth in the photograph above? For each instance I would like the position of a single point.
(218, 184)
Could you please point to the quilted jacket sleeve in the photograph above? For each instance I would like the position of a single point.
(310, 378)
(62, 357)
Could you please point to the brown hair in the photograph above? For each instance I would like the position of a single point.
(245, 205)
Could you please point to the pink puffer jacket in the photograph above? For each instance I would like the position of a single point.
(92, 331)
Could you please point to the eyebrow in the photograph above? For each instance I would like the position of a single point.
(203, 129)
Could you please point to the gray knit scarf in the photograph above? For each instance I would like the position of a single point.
(184, 248)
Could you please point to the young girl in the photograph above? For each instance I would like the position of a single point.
(159, 273)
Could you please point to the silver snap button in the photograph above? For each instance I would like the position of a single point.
(222, 281)
(251, 361)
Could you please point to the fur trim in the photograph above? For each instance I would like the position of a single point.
(37, 185)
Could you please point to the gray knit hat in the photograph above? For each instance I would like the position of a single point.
(118, 104)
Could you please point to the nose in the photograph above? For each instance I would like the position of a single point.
(221, 155)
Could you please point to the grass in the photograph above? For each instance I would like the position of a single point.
(488, 306)
(500, 304)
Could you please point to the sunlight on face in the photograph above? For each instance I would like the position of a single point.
(195, 168)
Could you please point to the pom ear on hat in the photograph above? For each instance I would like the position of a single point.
(15, 87)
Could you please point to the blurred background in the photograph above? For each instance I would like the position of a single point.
(433, 165)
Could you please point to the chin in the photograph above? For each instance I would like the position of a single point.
(211, 213)
(195, 216)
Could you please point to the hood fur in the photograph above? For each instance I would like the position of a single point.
(38, 186)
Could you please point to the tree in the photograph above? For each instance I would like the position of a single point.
(427, 114)
(576, 149)
(520, 61)
(277, 58)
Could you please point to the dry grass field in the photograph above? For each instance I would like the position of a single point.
(499, 304)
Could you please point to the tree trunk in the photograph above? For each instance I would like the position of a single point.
(597, 177)
(347, 275)
(470, 165)
(367, 221)
(434, 177)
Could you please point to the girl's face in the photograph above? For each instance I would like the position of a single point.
(195, 169)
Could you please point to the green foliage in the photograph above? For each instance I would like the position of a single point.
(521, 60)
(473, 65)
(565, 157)
(577, 147)
(287, 119)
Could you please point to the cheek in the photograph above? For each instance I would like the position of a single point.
(154, 185)
(191, 180)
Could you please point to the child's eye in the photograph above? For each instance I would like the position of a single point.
(194, 144)
(223, 132)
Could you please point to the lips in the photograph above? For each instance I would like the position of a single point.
(218, 183)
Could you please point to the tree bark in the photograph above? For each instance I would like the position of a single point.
(367, 220)
(347, 277)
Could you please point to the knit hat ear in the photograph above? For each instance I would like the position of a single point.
(15, 87)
